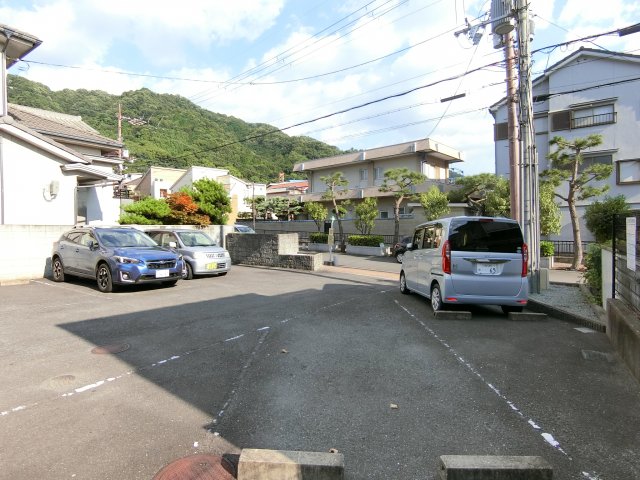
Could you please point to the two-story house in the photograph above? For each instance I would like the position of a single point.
(364, 170)
(54, 168)
(158, 182)
(588, 92)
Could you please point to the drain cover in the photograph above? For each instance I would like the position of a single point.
(105, 349)
(197, 467)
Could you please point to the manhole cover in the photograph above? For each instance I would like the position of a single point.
(62, 381)
(105, 349)
(197, 467)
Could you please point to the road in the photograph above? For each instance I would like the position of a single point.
(288, 360)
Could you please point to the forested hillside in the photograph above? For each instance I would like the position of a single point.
(175, 132)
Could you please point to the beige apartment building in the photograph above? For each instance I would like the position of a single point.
(365, 170)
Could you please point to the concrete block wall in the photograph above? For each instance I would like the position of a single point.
(623, 330)
(25, 251)
(270, 250)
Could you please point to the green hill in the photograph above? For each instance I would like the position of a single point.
(176, 132)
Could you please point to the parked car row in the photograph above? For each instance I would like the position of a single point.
(127, 256)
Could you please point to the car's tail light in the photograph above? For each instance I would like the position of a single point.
(525, 259)
(446, 257)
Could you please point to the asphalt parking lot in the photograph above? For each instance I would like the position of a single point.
(290, 360)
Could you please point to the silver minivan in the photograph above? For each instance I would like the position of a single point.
(468, 260)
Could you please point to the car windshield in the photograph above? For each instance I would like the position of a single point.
(124, 238)
(244, 229)
(196, 239)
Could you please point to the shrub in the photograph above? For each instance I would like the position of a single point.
(365, 240)
(599, 216)
(135, 219)
(318, 237)
(546, 248)
(593, 272)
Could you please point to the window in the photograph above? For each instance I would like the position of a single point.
(584, 115)
(163, 193)
(384, 214)
(405, 212)
(364, 174)
(589, 160)
(378, 173)
(588, 117)
(433, 236)
(628, 171)
(500, 131)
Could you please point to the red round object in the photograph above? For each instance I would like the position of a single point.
(197, 467)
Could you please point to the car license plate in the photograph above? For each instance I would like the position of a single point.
(487, 269)
(162, 273)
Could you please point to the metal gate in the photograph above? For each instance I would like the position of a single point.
(626, 258)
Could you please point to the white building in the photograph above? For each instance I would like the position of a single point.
(588, 92)
(54, 168)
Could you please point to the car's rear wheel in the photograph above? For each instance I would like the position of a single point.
(57, 270)
(187, 271)
(103, 278)
(403, 284)
(399, 257)
(436, 298)
(506, 309)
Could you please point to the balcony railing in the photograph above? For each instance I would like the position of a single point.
(591, 120)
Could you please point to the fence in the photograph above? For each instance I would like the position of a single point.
(566, 247)
(626, 264)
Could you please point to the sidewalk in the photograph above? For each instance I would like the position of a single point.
(565, 299)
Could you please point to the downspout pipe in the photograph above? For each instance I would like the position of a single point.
(3, 111)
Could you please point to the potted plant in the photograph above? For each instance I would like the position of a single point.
(546, 254)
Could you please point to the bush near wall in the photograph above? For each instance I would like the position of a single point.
(365, 240)
(318, 237)
(546, 248)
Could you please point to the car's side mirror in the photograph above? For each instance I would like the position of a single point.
(93, 245)
(409, 246)
(173, 245)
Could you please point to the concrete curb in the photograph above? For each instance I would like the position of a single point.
(452, 315)
(261, 464)
(478, 467)
(560, 314)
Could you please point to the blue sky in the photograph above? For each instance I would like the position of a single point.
(287, 62)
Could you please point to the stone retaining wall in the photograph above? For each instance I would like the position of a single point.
(270, 250)
(623, 330)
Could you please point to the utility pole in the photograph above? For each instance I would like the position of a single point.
(529, 156)
(512, 127)
(523, 161)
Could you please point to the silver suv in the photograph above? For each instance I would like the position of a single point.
(468, 260)
(202, 255)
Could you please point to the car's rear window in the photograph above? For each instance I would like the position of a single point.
(485, 236)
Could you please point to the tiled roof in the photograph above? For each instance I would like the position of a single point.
(58, 125)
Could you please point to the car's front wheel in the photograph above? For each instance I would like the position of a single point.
(57, 270)
(187, 271)
(403, 284)
(103, 278)
(436, 298)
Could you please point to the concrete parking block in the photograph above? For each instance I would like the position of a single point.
(260, 464)
(452, 315)
(526, 316)
(488, 467)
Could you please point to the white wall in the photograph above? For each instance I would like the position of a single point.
(34, 244)
(27, 175)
